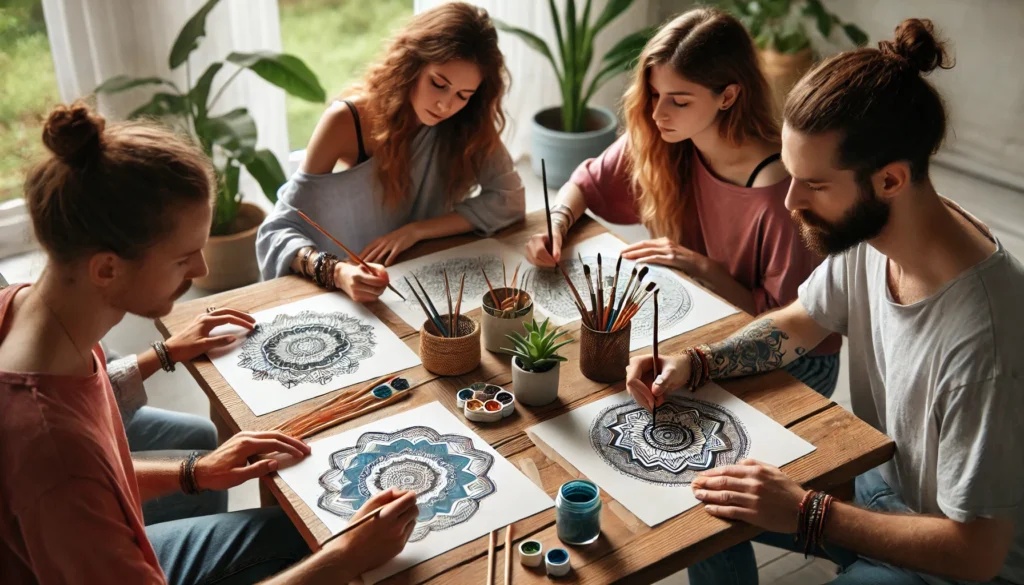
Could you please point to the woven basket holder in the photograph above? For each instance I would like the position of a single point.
(450, 356)
(604, 356)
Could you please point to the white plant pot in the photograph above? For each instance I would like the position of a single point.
(533, 389)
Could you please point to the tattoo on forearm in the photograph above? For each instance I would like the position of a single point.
(756, 348)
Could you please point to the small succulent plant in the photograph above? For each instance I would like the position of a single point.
(535, 351)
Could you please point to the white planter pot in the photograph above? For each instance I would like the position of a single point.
(533, 389)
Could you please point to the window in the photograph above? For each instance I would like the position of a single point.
(337, 39)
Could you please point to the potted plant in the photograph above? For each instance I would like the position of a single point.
(535, 363)
(779, 29)
(566, 135)
(229, 140)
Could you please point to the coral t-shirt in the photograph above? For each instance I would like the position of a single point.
(747, 230)
(70, 510)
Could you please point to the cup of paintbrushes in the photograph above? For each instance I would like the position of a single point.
(450, 356)
(604, 355)
(514, 307)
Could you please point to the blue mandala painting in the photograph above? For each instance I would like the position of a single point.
(309, 347)
(687, 436)
(448, 475)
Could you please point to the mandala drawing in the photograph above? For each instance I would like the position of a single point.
(687, 437)
(309, 347)
(431, 276)
(553, 295)
(448, 475)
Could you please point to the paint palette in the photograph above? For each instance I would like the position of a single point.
(483, 402)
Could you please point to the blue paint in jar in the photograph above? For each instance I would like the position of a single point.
(578, 512)
(465, 394)
(558, 556)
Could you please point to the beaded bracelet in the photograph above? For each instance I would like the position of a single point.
(304, 265)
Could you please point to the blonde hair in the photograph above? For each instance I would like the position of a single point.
(712, 49)
(451, 31)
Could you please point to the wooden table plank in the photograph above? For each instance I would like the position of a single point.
(628, 548)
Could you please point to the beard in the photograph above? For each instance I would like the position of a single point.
(862, 222)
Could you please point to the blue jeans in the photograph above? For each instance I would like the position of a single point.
(158, 433)
(737, 565)
(238, 548)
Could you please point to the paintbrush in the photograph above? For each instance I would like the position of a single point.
(430, 303)
(636, 305)
(508, 555)
(458, 305)
(584, 314)
(655, 348)
(593, 296)
(494, 297)
(491, 542)
(437, 323)
(622, 301)
(350, 253)
(356, 524)
(611, 297)
(600, 293)
(448, 294)
(547, 208)
(630, 309)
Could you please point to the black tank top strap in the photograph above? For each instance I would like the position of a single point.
(753, 176)
(359, 133)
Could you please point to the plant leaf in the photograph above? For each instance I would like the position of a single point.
(821, 16)
(188, 38)
(265, 168)
(532, 41)
(121, 83)
(235, 131)
(855, 34)
(556, 19)
(160, 105)
(611, 11)
(285, 71)
(201, 92)
(226, 208)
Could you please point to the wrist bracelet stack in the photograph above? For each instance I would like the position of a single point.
(700, 367)
(165, 358)
(323, 270)
(810, 524)
(563, 224)
(187, 474)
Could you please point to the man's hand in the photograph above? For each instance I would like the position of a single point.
(228, 465)
(753, 492)
(195, 340)
(673, 375)
(379, 540)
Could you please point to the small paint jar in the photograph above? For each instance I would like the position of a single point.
(531, 553)
(474, 405)
(463, 396)
(557, 562)
(492, 406)
(578, 512)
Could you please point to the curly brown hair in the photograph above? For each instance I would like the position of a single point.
(448, 32)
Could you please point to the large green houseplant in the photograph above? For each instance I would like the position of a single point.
(575, 131)
(229, 139)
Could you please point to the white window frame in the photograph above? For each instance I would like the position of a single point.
(16, 235)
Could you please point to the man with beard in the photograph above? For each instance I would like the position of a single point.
(927, 298)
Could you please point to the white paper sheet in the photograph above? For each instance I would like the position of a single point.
(665, 490)
(461, 259)
(682, 306)
(512, 496)
(309, 348)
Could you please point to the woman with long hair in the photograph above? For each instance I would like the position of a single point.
(699, 166)
(415, 137)
(123, 212)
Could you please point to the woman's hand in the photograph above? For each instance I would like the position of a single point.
(537, 249)
(673, 375)
(195, 340)
(753, 492)
(386, 248)
(379, 540)
(228, 465)
(360, 284)
(668, 253)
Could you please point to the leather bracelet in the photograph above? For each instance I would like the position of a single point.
(304, 266)
(165, 358)
(187, 474)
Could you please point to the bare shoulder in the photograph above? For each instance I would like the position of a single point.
(771, 174)
(333, 140)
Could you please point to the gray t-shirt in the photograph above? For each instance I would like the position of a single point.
(943, 377)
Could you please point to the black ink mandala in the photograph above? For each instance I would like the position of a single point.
(553, 295)
(308, 347)
(688, 436)
(431, 276)
(448, 475)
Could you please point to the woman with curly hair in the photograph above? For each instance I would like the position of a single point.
(418, 133)
(699, 167)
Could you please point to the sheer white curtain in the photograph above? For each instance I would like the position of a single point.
(97, 39)
(534, 85)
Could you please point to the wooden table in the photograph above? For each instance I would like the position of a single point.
(628, 550)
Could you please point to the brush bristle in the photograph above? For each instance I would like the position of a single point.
(643, 272)
(651, 286)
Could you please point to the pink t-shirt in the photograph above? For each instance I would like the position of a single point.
(747, 230)
(70, 510)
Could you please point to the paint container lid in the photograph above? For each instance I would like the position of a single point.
(531, 553)
(557, 562)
